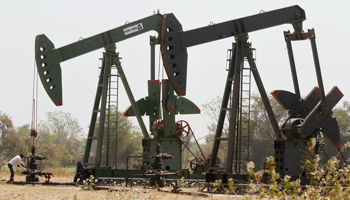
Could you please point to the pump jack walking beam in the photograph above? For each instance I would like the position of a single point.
(48, 58)
(174, 40)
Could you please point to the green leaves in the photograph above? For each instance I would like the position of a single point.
(10, 138)
(60, 138)
(88, 184)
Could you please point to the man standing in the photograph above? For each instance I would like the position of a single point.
(16, 160)
(82, 173)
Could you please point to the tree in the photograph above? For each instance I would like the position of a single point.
(60, 138)
(6, 130)
(212, 110)
(11, 141)
(343, 118)
(261, 132)
(128, 141)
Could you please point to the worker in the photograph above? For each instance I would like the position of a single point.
(16, 160)
(82, 173)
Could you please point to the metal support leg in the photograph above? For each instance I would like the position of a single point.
(132, 101)
(234, 107)
(102, 113)
(153, 44)
(264, 95)
(222, 114)
(312, 38)
(94, 114)
(292, 64)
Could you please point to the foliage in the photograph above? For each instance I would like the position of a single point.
(329, 181)
(211, 110)
(88, 184)
(181, 182)
(63, 171)
(129, 139)
(10, 138)
(6, 131)
(231, 186)
(216, 186)
(261, 135)
(261, 132)
(343, 118)
(60, 138)
(342, 114)
(261, 145)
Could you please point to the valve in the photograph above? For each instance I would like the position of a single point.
(197, 162)
(183, 129)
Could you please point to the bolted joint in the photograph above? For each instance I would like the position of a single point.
(171, 107)
(325, 110)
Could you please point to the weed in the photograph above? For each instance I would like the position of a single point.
(181, 182)
(216, 186)
(88, 184)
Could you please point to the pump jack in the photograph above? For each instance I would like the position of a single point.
(164, 130)
(308, 117)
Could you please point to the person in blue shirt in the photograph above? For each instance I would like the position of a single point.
(82, 173)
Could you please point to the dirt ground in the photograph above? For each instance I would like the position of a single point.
(38, 192)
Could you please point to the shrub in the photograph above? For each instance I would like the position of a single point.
(88, 184)
(328, 181)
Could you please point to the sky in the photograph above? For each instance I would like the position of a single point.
(66, 21)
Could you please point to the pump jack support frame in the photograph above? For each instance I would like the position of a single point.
(110, 58)
(242, 49)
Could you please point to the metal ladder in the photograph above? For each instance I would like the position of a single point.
(109, 144)
(243, 121)
(241, 152)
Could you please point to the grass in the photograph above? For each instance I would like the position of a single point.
(62, 171)
(38, 192)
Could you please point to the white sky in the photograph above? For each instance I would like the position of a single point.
(64, 22)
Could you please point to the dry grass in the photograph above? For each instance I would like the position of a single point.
(58, 173)
(38, 192)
